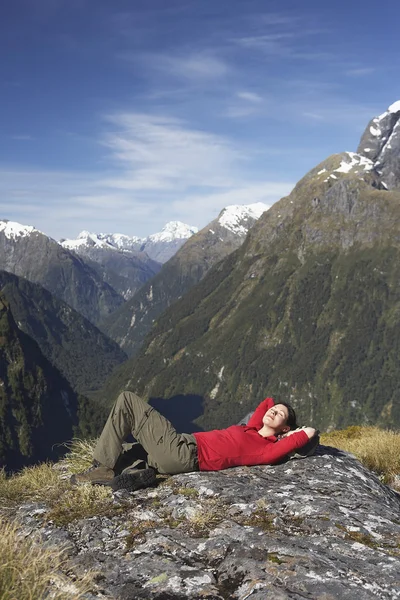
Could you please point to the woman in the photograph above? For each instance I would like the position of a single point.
(267, 438)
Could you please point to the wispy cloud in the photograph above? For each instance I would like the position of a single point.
(360, 72)
(159, 168)
(22, 137)
(163, 153)
(202, 65)
(249, 96)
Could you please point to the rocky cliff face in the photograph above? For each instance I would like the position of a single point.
(320, 528)
(28, 253)
(305, 310)
(203, 250)
(380, 143)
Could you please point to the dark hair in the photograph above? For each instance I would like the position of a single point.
(291, 420)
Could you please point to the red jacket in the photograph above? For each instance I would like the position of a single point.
(241, 445)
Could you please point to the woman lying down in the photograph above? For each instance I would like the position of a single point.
(270, 436)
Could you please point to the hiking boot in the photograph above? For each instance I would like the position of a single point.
(132, 480)
(97, 474)
(308, 449)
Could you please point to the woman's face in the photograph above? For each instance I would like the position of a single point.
(276, 418)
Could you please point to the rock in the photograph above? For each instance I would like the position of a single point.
(319, 528)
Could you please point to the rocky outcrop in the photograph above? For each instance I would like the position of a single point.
(320, 528)
(381, 144)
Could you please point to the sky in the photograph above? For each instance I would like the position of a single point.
(117, 116)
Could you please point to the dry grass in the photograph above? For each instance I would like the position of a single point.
(81, 502)
(50, 484)
(79, 456)
(38, 483)
(377, 449)
(30, 572)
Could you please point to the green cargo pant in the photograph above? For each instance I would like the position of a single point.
(168, 451)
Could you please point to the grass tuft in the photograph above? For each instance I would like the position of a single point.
(377, 449)
(38, 483)
(31, 572)
(79, 456)
(80, 502)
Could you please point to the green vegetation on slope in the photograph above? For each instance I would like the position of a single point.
(84, 355)
(38, 408)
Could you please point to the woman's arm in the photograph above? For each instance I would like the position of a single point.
(256, 419)
(275, 452)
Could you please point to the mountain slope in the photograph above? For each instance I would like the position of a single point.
(306, 310)
(38, 408)
(84, 355)
(129, 325)
(27, 252)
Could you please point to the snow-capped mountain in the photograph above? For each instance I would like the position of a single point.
(377, 159)
(158, 246)
(29, 253)
(194, 259)
(239, 218)
(380, 144)
(13, 230)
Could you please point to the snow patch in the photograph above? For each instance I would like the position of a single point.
(174, 230)
(321, 171)
(395, 107)
(234, 217)
(14, 230)
(375, 131)
(356, 160)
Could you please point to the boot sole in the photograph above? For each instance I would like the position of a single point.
(134, 481)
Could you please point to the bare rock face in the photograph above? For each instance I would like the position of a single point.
(381, 144)
(320, 528)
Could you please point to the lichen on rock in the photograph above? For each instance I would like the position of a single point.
(323, 527)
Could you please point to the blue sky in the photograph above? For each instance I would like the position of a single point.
(118, 116)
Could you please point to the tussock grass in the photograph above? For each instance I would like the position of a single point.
(80, 502)
(50, 484)
(31, 572)
(377, 449)
(79, 456)
(38, 483)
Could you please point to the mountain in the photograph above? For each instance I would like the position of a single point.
(84, 355)
(159, 246)
(38, 408)
(129, 325)
(307, 309)
(124, 270)
(28, 253)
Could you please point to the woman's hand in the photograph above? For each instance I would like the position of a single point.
(310, 431)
